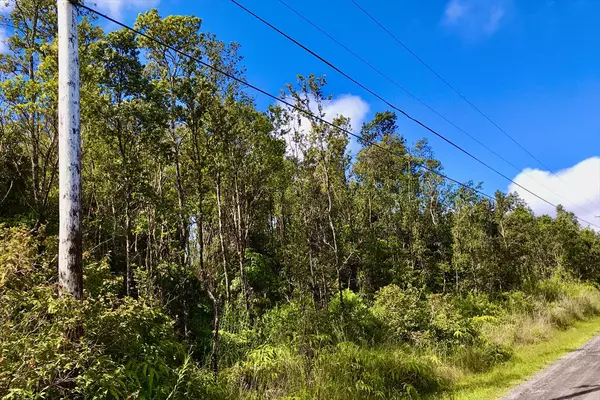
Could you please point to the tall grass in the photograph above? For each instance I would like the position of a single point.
(427, 343)
(556, 305)
(345, 371)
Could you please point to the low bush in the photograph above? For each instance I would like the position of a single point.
(476, 305)
(298, 322)
(349, 371)
(128, 346)
(268, 372)
(550, 290)
(344, 371)
(480, 356)
(402, 313)
(352, 320)
(449, 327)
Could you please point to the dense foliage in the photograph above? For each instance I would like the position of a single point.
(231, 252)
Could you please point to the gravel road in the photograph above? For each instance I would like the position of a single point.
(574, 376)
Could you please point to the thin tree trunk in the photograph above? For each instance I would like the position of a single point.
(128, 271)
(214, 355)
(241, 244)
(338, 267)
(310, 260)
(35, 142)
(149, 242)
(221, 239)
(114, 229)
(184, 234)
(182, 219)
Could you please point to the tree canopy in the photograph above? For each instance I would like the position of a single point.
(204, 217)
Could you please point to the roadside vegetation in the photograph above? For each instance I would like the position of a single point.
(231, 252)
(403, 343)
(527, 360)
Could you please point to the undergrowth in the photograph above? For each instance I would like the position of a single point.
(425, 342)
(402, 344)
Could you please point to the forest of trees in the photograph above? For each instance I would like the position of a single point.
(233, 252)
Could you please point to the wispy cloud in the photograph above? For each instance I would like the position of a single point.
(496, 16)
(117, 7)
(6, 8)
(580, 194)
(474, 18)
(455, 10)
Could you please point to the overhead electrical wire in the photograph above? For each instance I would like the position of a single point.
(274, 97)
(289, 104)
(401, 111)
(392, 81)
(455, 90)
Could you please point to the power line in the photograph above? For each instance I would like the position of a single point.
(287, 103)
(455, 90)
(415, 120)
(392, 81)
(279, 99)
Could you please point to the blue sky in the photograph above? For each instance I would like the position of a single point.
(532, 65)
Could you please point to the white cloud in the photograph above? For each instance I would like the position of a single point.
(349, 106)
(6, 6)
(577, 189)
(3, 36)
(474, 18)
(116, 7)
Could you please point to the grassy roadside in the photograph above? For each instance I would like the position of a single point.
(528, 360)
(472, 347)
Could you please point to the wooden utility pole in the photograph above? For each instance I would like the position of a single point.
(70, 268)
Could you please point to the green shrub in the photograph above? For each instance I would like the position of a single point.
(344, 371)
(298, 322)
(128, 347)
(481, 356)
(589, 301)
(349, 371)
(352, 320)
(401, 312)
(98, 279)
(560, 317)
(262, 277)
(235, 346)
(448, 326)
(550, 289)
(517, 302)
(17, 254)
(268, 371)
(476, 304)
